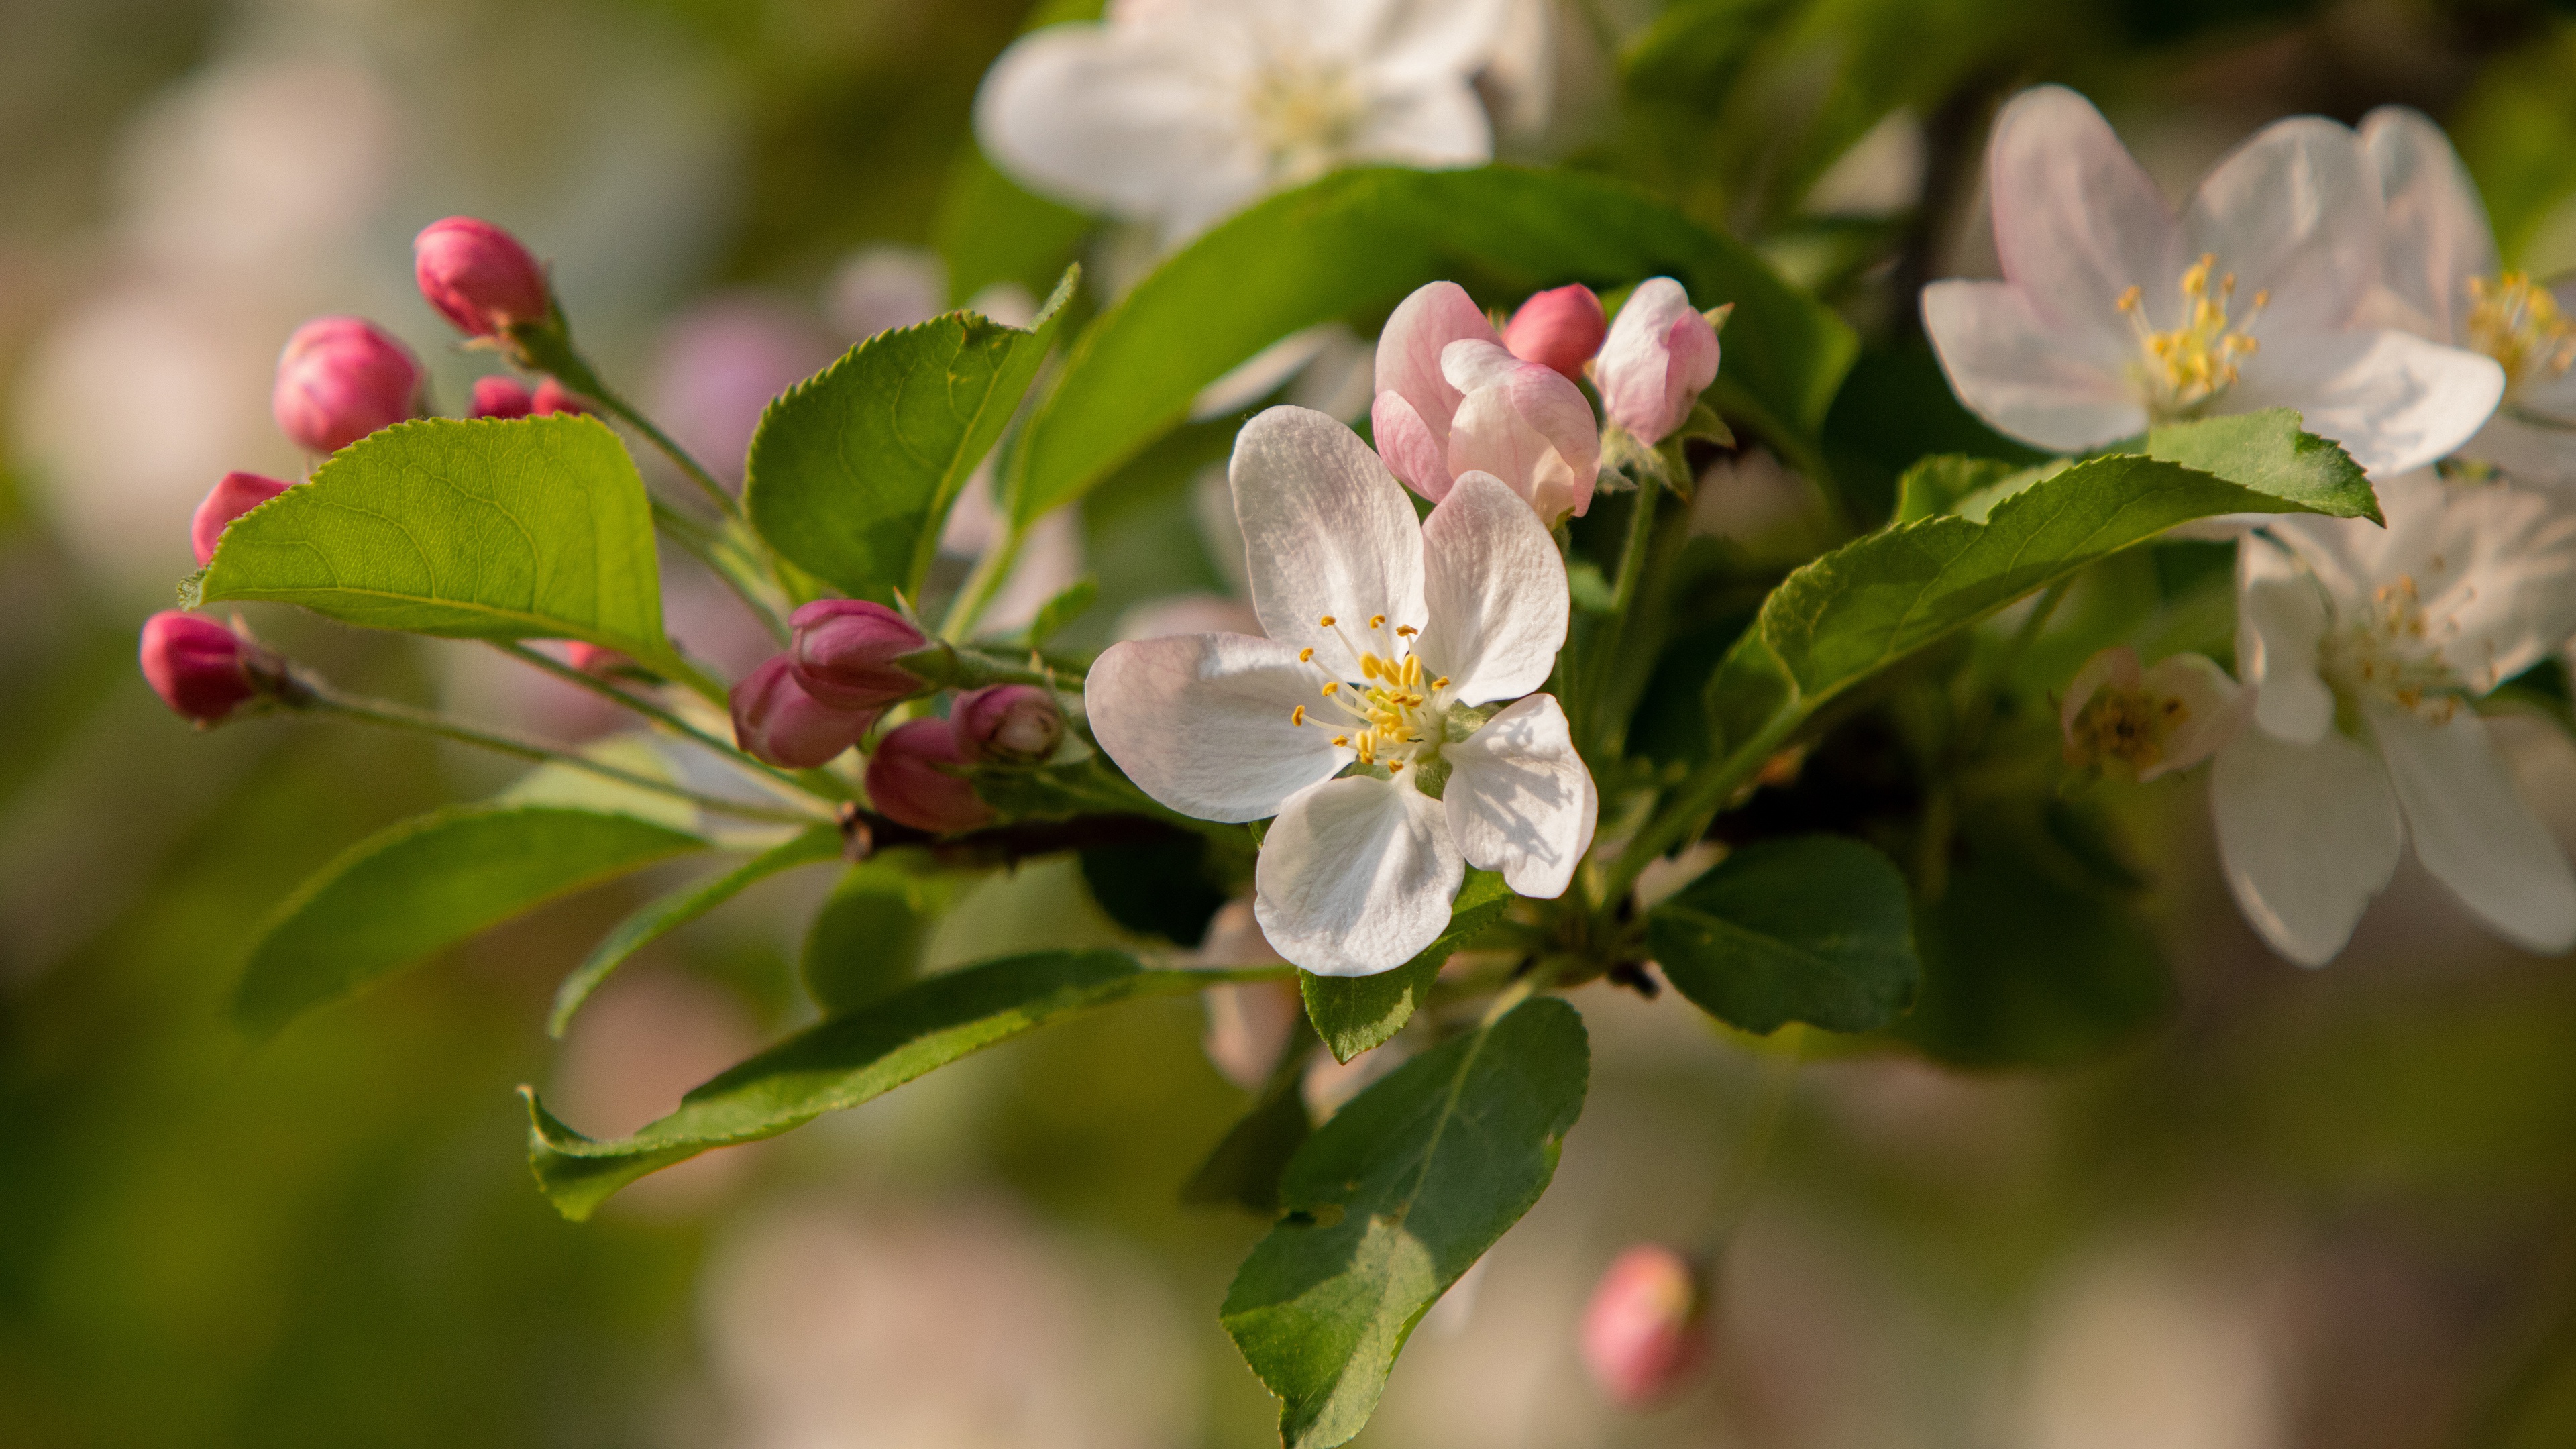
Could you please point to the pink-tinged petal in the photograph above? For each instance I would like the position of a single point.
(1520, 800)
(2471, 828)
(1115, 118)
(1409, 349)
(1202, 722)
(2077, 222)
(2295, 213)
(1327, 531)
(1659, 356)
(1494, 591)
(2393, 400)
(2436, 237)
(2308, 833)
(1406, 446)
(1476, 362)
(1356, 876)
(2492, 568)
(2214, 709)
(2281, 621)
(1533, 430)
(2012, 370)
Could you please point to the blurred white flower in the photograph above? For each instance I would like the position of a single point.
(720, 363)
(2366, 647)
(2444, 281)
(1178, 113)
(878, 288)
(2148, 722)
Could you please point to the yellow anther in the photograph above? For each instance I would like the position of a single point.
(1305, 656)
(1395, 767)
(1332, 687)
(1405, 631)
(1326, 621)
(1377, 621)
(1412, 670)
(1297, 716)
(2130, 299)
(1368, 666)
(2520, 326)
(1342, 740)
(1441, 683)
(2196, 361)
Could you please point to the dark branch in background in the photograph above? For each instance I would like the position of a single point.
(868, 834)
(1953, 148)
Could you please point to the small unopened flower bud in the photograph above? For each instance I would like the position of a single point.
(236, 495)
(906, 782)
(1559, 329)
(1660, 355)
(592, 658)
(774, 719)
(1646, 1328)
(200, 668)
(2144, 723)
(553, 397)
(844, 650)
(1007, 724)
(341, 378)
(479, 277)
(500, 397)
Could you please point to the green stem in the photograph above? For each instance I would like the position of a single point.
(1696, 799)
(723, 559)
(402, 716)
(1753, 1149)
(1603, 663)
(660, 716)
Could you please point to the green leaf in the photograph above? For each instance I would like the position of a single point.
(394, 899)
(1815, 929)
(1246, 1166)
(844, 1061)
(1068, 605)
(865, 943)
(1353, 244)
(668, 913)
(1938, 483)
(530, 528)
(1391, 1201)
(1871, 602)
(853, 470)
(1355, 1013)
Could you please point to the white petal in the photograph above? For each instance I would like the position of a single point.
(2436, 235)
(1201, 722)
(2116, 666)
(2393, 400)
(1494, 591)
(1117, 118)
(1326, 530)
(1428, 125)
(1473, 362)
(1520, 800)
(2011, 369)
(2523, 442)
(2077, 221)
(2281, 620)
(1532, 429)
(2308, 833)
(1410, 346)
(2294, 212)
(2471, 828)
(2214, 709)
(2495, 568)
(1428, 40)
(1356, 876)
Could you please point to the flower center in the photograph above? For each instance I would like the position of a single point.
(2126, 725)
(2394, 650)
(1375, 700)
(2196, 361)
(1304, 115)
(2520, 326)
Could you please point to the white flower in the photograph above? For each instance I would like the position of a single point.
(1661, 354)
(1386, 635)
(1452, 400)
(2146, 723)
(2443, 281)
(1180, 112)
(2114, 313)
(2366, 646)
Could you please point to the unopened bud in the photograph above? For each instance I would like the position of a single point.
(1559, 329)
(479, 277)
(2143, 723)
(236, 495)
(906, 782)
(553, 397)
(1007, 724)
(500, 397)
(774, 719)
(592, 658)
(1646, 1328)
(1660, 355)
(341, 378)
(844, 651)
(201, 669)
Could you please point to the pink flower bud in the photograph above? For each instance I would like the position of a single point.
(591, 658)
(1415, 401)
(499, 397)
(1645, 1329)
(774, 719)
(479, 277)
(1660, 355)
(553, 397)
(341, 378)
(1008, 724)
(1525, 425)
(1559, 329)
(199, 668)
(236, 495)
(845, 650)
(905, 781)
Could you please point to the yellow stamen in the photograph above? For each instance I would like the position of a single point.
(1412, 670)
(2520, 326)
(1326, 621)
(1395, 767)
(1406, 631)
(1332, 687)
(1441, 683)
(1305, 656)
(1297, 716)
(1377, 621)
(1342, 740)
(2198, 360)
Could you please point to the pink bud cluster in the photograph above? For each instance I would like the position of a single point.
(507, 397)
(1645, 1330)
(842, 669)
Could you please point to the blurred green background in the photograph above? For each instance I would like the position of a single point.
(2331, 1209)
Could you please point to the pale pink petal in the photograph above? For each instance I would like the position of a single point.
(2307, 833)
(2471, 828)
(1356, 876)
(1406, 445)
(2436, 236)
(2281, 621)
(2393, 400)
(2213, 710)
(2077, 222)
(1202, 722)
(1532, 429)
(2295, 213)
(1326, 529)
(1494, 592)
(1520, 800)
(1659, 356)
(1409, 348)
(2012, 370)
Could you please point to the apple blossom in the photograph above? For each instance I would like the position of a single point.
(776, 720)
(1452, 400)
(1362, 722)
(1660, 355)
(908, 779)
(1560, 328)
(2115, 314)
(1179, 114)
(2146, 723)
(2365, 646)
(2443, 281)
(844, 653)
(236, 494)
